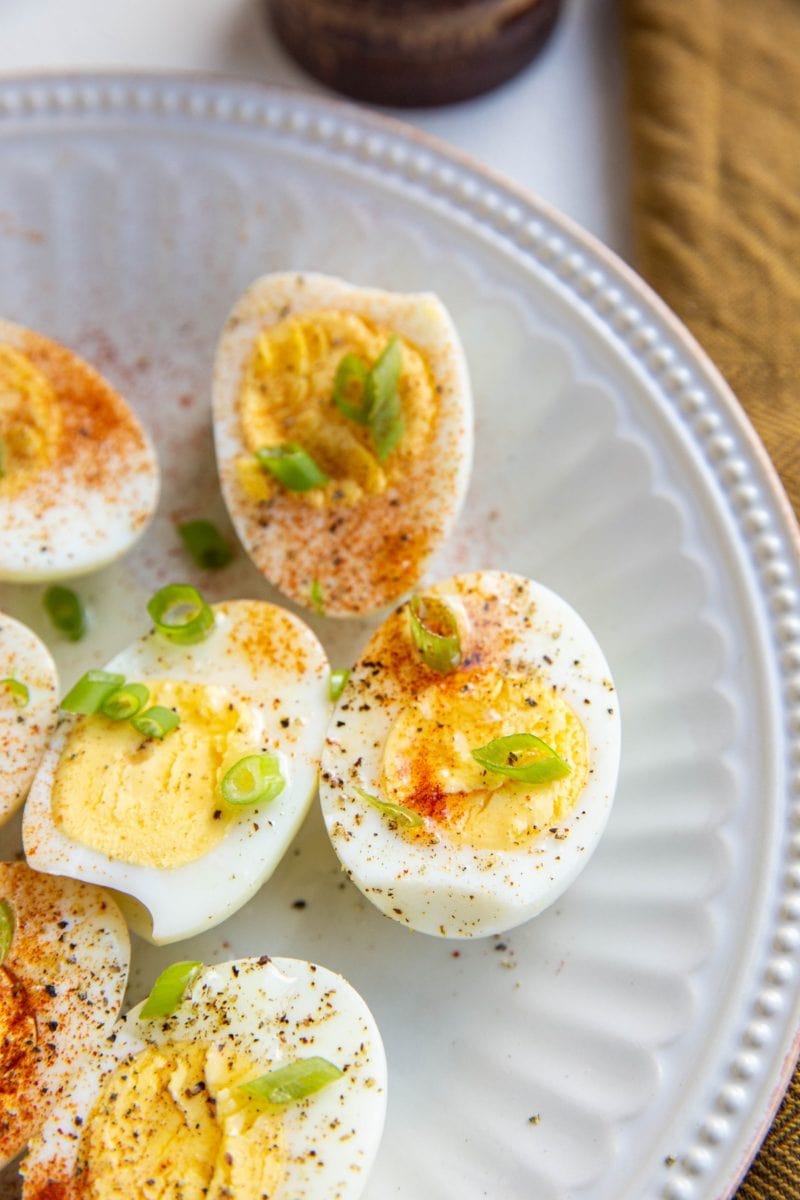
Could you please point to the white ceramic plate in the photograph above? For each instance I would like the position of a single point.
(633, 1041)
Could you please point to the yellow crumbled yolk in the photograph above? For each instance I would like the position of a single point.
(428, 765)
(172, 1124)
(287, 396)
(149, 802)
(30, 421)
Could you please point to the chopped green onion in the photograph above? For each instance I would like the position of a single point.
(125, 702)
(406, 817)
(295, 1081)
(7, 926)
(434, 632)
(336, 683)
(380, 407)
(292, 466)
(65, 609)
(180, 613)
(2, 459)
(522, 756)
(156, 722)
(254, 779)
(383, 400)
(169, 989)
(351, 369)
(90, 692)
(18, 691)
(317, 597)
(205, 544)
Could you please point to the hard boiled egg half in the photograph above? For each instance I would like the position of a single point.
(250, 1079)
(343, 430)
(78, 475)
(64, 955)
(28, 710)
(472, 758)
(186, 796)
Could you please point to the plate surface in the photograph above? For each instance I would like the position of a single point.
(631, 1042)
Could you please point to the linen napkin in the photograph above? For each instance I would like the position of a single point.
(714, 109)
(715, 122)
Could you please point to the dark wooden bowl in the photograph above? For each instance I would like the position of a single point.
(413, 52)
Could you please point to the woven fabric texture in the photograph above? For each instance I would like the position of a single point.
(714, 105)
(714, 91)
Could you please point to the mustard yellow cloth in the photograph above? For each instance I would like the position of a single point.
(714, 102)
(715, 121)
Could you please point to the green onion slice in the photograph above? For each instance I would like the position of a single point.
(18, 691)
(295, 1081)
(125, 702)
(404, 817)
(3, 457)
(254, 779)
(156, 722)
(91, 691)
(180, 613)
(351, 370)
(169, 989)
(383, 400)
(380, 406)
(65, 609)
(434, 632)
(336, 683)
(317, 597)
(7, 926)
(292, 466)
(205, 544)
(522, 756)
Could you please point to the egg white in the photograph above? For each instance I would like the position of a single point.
(343, 547)
(456, 891)
(70, 952)
(276, 1011)
(275, 665)
(24, 731)
(96, 498)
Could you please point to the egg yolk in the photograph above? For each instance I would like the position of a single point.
(30, 421)
(428, 766)
(149, 802)
(170, 1124)
(287, 396)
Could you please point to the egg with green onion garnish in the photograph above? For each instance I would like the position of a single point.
(343, 430)
(182, 769)
(248, 1079)
(78, 474)
(64, 953)
(28, 710)
(471, 763)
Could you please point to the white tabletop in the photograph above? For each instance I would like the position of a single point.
(558, 128)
